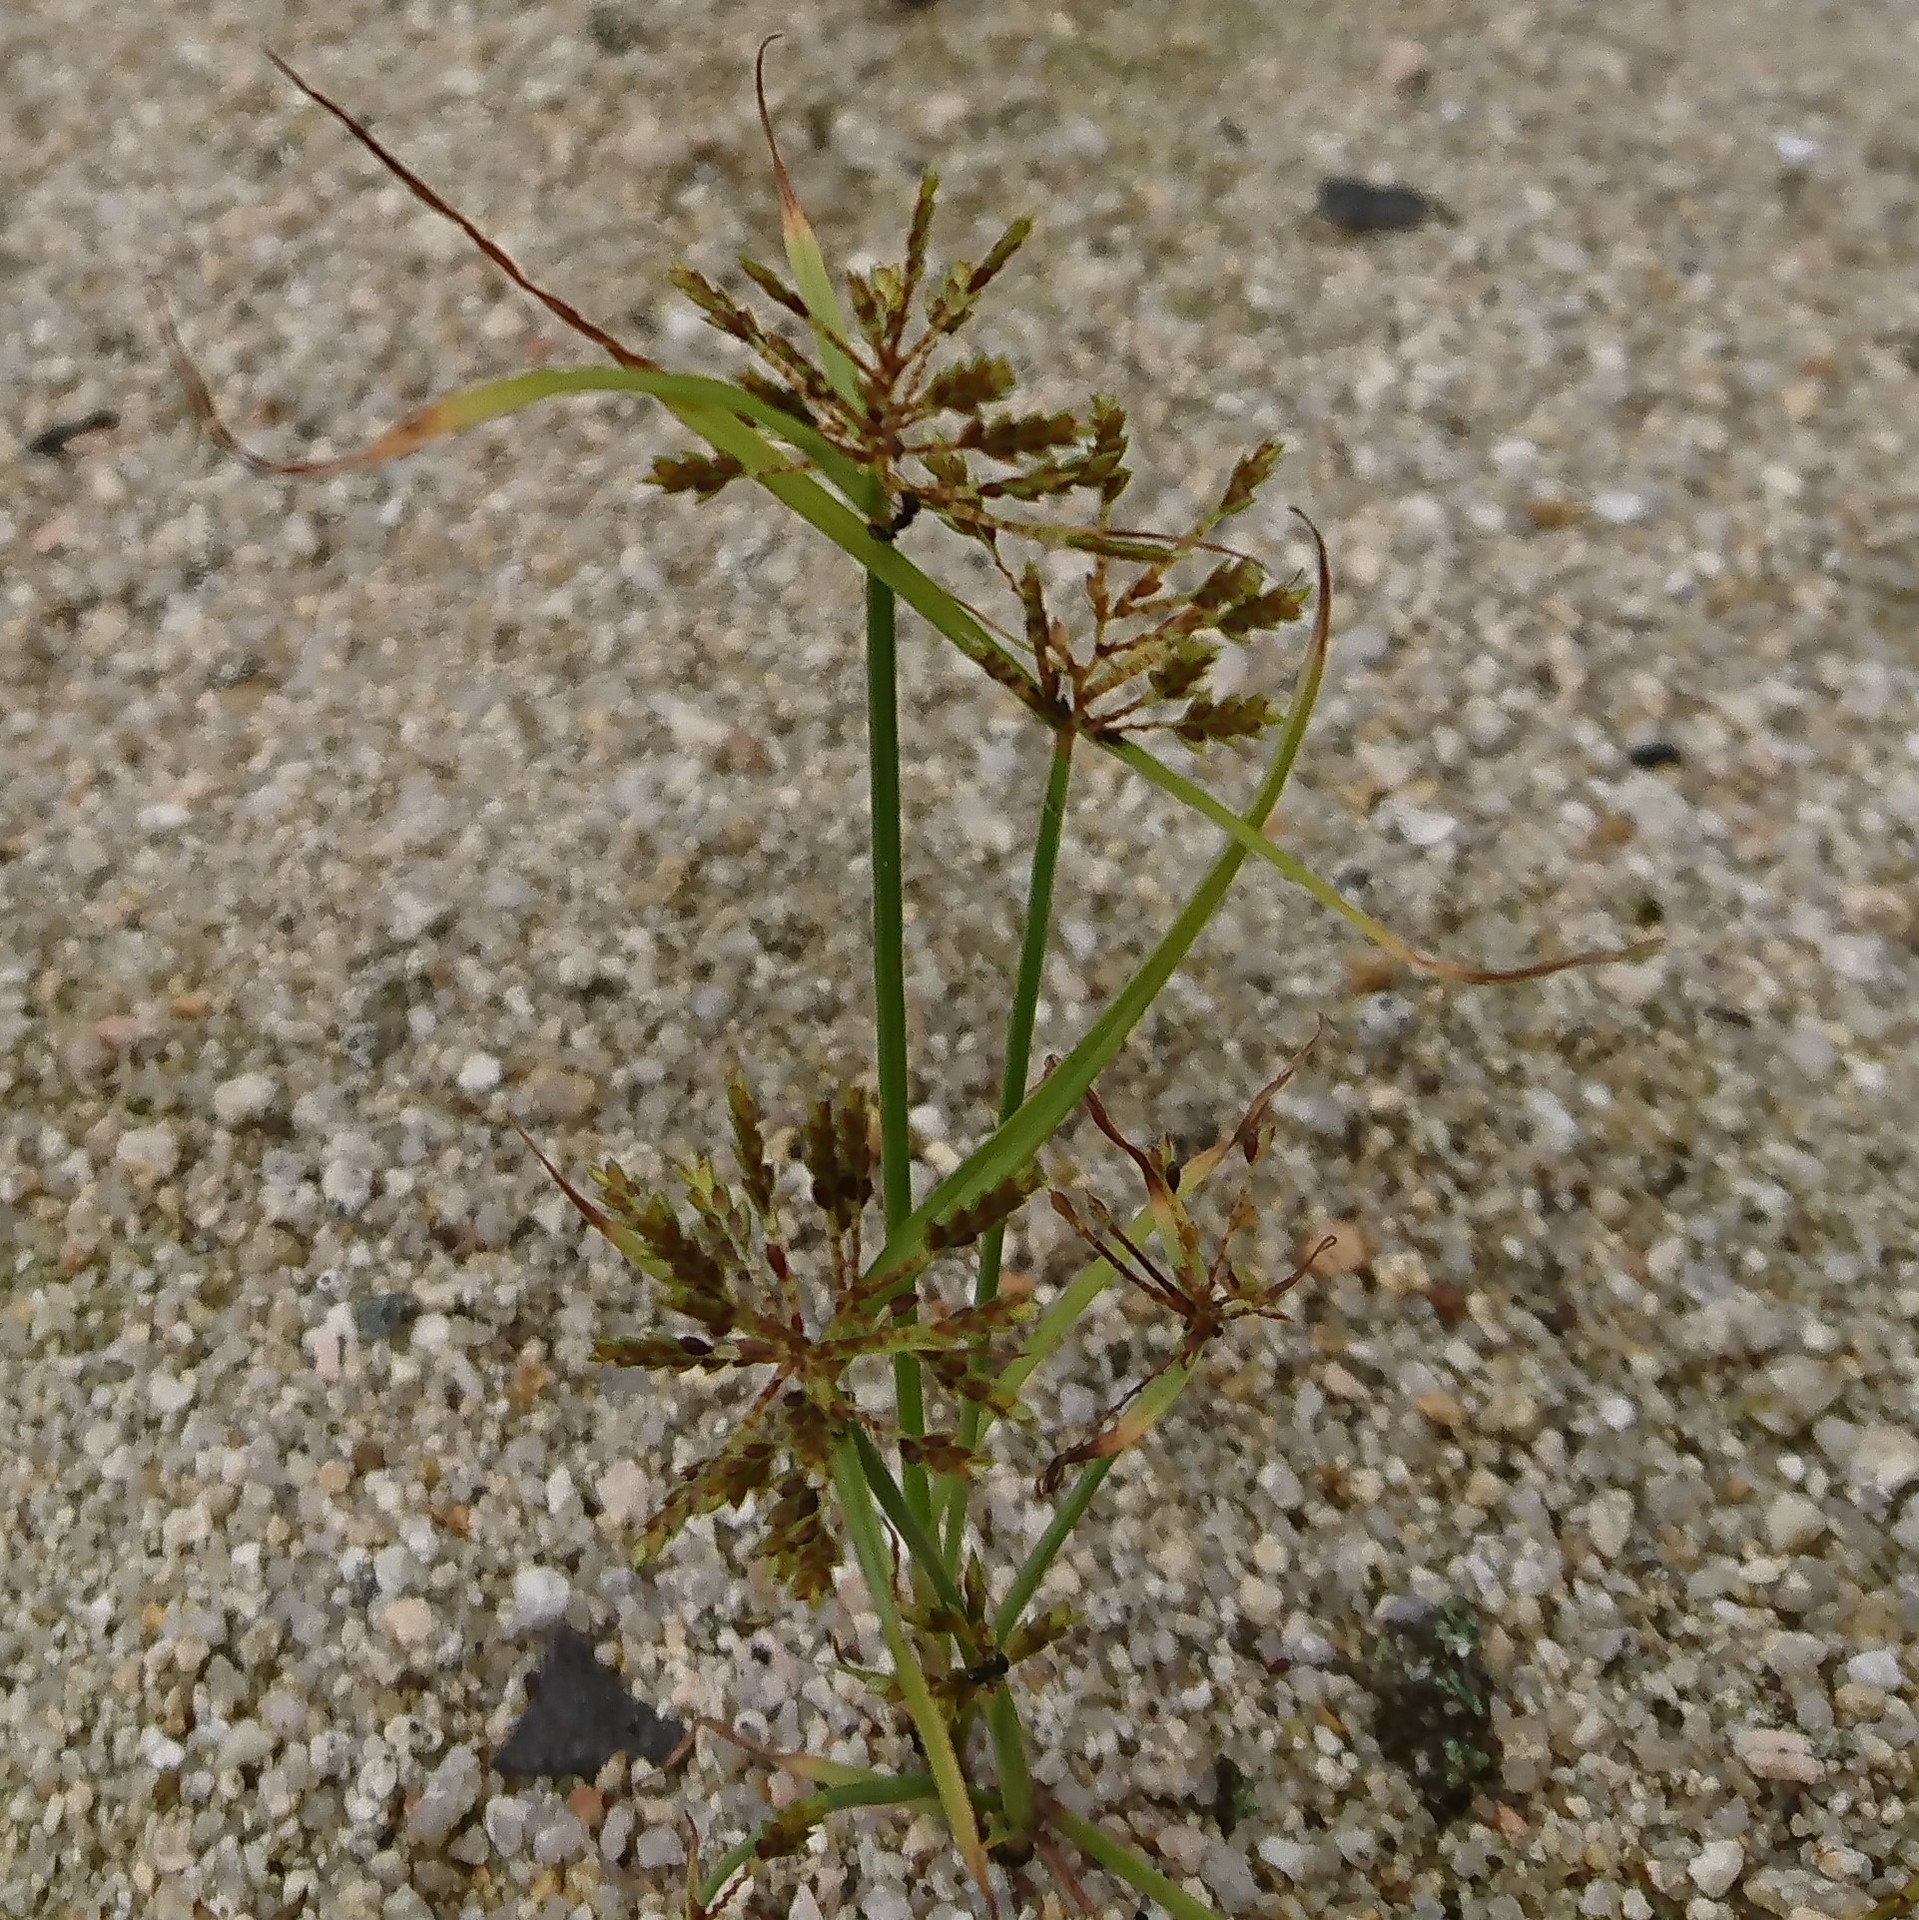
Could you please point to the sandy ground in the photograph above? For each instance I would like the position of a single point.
(339, 822)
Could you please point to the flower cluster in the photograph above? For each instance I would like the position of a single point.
(800, 1314)
(935, 434)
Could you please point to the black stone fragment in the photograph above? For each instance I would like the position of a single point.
(51, 443)
(1357, 206)
(1434, 1720)
(1233, 1796)
(379, 1316)
(579, 1715)
(1654, 753)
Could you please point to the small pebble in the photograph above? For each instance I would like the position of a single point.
(1793, 1523)
(1654, 753)
(625, 1492)
(1716, 1867)
(1885, 1462)
(616, 1830)
(658, 1848)
(1609, 1522)
(148, 1153)
(540, 1596)
(245, 1100)
(1778, 1753)
(479, 1073)
(409, 1621)
(1875, 1667)
(505, 1823)
(1619, 508)
(1183, 1847)
(379, 1316)
(167, 1394)
(1357, 206)
(555, 1093)
(1405, 66)
(1424, 827)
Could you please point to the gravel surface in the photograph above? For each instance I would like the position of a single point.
(341, 822)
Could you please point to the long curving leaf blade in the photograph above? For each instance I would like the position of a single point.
(803, 255)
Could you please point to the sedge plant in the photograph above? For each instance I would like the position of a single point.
(863, 414)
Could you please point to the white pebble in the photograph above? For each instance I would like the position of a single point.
(446, 1798)
(505, 1821)
(246, 1744)
(616, 1829)
(559, 1839)
(1716, 1867)
(395, 1570)
(245, 1098)
(164, 816)
(1609, 1523)
(480, 1073)
(1424, 826)
(1183, 1847)
(1778, 1753)
(1793, 1522)
(1555, 1131)
(623, 1490)
(168, 1395)
(1617, 1412)
(346, 1184)
(149, 1153)
(540, 1595)
(1875, 1667)
(1619, 508)
(658, 1847)
(1885, 1461)
(1293, 1858)
(409, 1621)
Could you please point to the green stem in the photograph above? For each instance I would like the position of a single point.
(1009, 1760)
(906, 1523)
(1032, 967)
(1123, 1863)
(1018, 1063)
(869, 1548)
(1032, 1569)
(889, 978)
(884, 1790)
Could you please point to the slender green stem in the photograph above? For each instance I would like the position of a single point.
(883, 1790)
(889, 912)
(906, 1523)
(1009, 1759)
(1032, 968)
(869, 1548)
(1018, 1064)
(1032, 1569)
(889, 977)
(1123, 1863)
